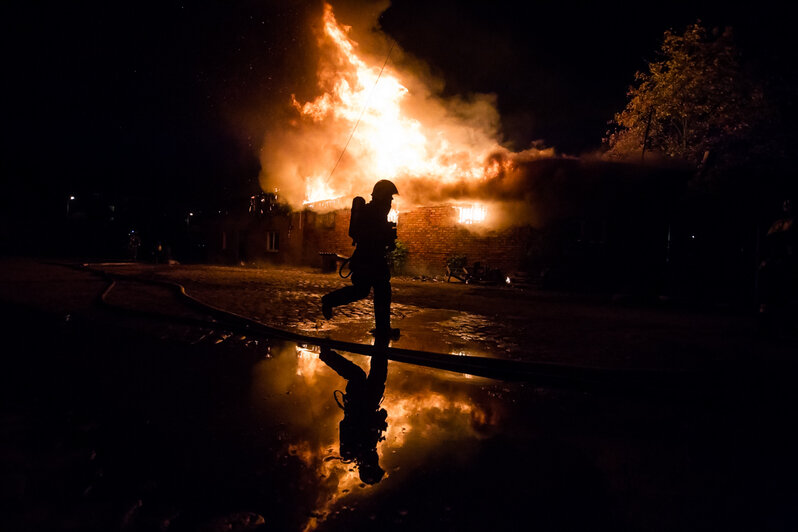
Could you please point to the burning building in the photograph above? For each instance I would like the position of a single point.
(573, 223)
(372, 116)
(429, 236)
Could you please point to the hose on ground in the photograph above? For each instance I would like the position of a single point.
(496, 368)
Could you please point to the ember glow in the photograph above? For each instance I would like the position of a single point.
(372, 121)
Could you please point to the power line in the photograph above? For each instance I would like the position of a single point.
(362, 112)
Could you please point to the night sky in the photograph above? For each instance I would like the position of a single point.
(168, 99)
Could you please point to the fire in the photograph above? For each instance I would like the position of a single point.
(318, 190)
(308, 362)
(472, 214)
(387, 131)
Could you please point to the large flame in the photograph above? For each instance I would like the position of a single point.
(367, 124)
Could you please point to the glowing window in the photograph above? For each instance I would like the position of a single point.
(472, 214)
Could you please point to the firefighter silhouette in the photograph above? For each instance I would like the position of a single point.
(364, 421)
(374, 237)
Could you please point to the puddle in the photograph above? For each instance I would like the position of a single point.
(375, 445)
(366, 435)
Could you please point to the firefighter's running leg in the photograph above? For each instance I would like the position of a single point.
(360, 289)
(382, 306)
(343, 367)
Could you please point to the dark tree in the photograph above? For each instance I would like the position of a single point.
(698, 104)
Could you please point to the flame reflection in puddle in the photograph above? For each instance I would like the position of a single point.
(295, 391)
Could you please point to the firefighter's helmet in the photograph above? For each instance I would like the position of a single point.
(384, 188)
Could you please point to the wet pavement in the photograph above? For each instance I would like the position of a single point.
(505, 322)
(142, 418)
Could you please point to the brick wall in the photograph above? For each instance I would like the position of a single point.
(431, 234)
(327, 232)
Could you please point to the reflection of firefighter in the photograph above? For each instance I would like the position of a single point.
(374, 236)
(364, 421)
(778, 270)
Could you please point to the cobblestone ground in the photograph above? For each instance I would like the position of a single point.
(501, 322)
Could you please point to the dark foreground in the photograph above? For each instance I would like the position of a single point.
(113, 421)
